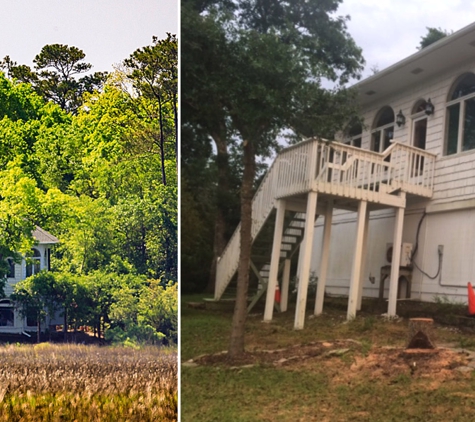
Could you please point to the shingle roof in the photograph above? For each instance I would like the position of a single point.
(42, 236)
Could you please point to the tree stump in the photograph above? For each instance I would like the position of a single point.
(421, 333)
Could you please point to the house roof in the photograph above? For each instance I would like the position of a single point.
(43, 237)
(457, 48)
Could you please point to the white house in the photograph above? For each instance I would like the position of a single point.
(11, 320)
(406, 177)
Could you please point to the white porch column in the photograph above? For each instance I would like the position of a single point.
(275, 257)
(322, 277)
(284, 294)
(393, 281)
(363, 261)
(305, 264)
(356, 268)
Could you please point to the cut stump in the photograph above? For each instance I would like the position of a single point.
(421, 333)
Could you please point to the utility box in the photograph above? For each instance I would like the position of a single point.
(406, 253)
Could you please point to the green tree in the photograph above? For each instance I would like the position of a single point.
(433, 35)
(55, 76)
(154, 74)
(246, 68)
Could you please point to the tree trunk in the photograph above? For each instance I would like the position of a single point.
(236, 346)
(38, 327)
(219, 243)
(162, 141)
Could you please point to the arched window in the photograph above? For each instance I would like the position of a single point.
(460, 132)
(33, 265)
(383, 129)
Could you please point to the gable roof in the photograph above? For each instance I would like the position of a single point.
(43, 237)
(457, 48)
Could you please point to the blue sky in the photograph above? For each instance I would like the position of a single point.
(108, 31)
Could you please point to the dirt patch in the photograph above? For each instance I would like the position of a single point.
(347, 360)
(390, 363)
(280, 356)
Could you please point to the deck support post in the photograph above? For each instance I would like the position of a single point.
(275, 257)
(357, 260)
(305, 264)
(322, 277)
(396, 258)
(363, 262)
(284, 296)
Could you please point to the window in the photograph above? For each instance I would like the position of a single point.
(11, 268)
(460, 127)
(354, 134)
(419, 134)
(419, 124)
(383, 130)
(33, 265)
(6, 317)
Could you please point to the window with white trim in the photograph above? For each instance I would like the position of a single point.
(383, 130)
(460, 124)
(33, 264)
(354, 135)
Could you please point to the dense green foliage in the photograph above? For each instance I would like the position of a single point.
(98, 170)
(252, 71)
(433, 35)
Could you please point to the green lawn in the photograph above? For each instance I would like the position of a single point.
(321, 388)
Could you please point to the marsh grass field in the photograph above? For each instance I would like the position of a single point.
(46, 382)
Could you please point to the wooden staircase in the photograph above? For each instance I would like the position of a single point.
(337, 172)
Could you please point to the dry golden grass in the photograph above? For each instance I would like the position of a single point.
(87, 383)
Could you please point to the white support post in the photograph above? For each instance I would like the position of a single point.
(322, 277)
(393, 281)
(274, 262)
(356, 268)
(305, 265)
(284, 294)
(363, 261)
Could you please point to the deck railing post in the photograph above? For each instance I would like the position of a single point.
(284, 298)
(396, 258)
(322, 277)
(275, 257)
(305, 265)
(357, 261)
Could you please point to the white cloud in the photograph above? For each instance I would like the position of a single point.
(388, 31)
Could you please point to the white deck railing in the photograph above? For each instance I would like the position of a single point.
(337, 169)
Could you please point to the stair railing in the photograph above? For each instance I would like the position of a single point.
(331, 167)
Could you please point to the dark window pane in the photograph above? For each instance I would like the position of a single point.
(464, 87)
(357, 142)
(420, 131)
(376, 141)
(453, 128)
(388, 136)
(469, 126)
(6, 317)
(355, 130)
(11, 268)
(386, 116)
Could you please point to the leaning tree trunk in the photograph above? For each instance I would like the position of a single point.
(236, 346)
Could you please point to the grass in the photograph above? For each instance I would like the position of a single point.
(87, 383)
(318, 389)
